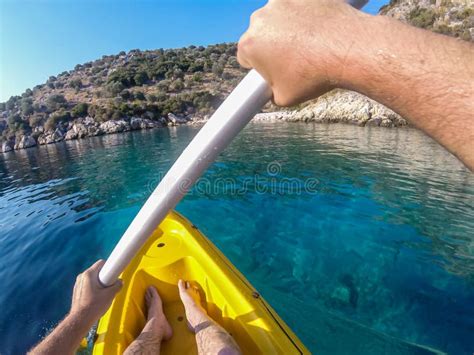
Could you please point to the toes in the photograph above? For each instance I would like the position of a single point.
(181, 286)
(152, 291)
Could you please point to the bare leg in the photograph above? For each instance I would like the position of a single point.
(211, 338)
(155, 330)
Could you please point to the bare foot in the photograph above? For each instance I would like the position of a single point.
(156, 328)
(195, 313)
(156, 319)
(211, 338)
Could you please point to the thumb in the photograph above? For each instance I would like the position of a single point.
(117, 286)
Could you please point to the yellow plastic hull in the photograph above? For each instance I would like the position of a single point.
(177, 250)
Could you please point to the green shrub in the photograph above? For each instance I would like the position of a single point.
(126, 95)
(56, 118)
(27, 93)
(15, 122)
(76, 84)
(177, 85)
(422, 17)
(114, 88)
(26, 106)
(197, 77)
(196, 67)
(140, 78)
(163, 85)
(55, 102)
(217, 69)
(11, 102)
(140, 96)
(233, 62)
(80, 110)
(151, 98)
(36, 120)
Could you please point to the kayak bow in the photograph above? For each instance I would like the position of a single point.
(177, 250)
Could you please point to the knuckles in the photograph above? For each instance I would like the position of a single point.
(244, 49)
(256, 16)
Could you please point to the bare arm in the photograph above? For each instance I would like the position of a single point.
(65, 338)
(305, 48)
(89, 301)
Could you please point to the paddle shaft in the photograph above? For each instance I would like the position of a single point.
(229, 119)
(235, 112)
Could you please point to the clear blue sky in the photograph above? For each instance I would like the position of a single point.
(39, 38)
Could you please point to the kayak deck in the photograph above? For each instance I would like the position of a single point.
(177, 250)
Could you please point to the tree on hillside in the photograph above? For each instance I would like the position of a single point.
(80, 110)
(11, 103)
(76, 83)
(114, 88)
(217, 69)
(140, 96)
(56, 118)
(26, 106)
(55, 102)
(141, 78)
(15, 123)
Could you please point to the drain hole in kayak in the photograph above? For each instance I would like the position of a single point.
(180, 318)
(161, 245)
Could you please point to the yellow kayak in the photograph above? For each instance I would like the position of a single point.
(177, 250)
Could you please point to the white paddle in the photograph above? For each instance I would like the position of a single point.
(236, 111)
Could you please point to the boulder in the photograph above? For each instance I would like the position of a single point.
(94, 131)
(114, 126)
(175, 120)
(80, 129)
(7, 146)
(25, 142)
(340, 106)
(88, 121)
(51, 137)
(141, 123)
(71, 134)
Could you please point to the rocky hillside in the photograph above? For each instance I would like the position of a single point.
(134, 90)
(450, 17)
(146, 89)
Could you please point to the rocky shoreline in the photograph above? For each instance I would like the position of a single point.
(88, 127)
(335, 107)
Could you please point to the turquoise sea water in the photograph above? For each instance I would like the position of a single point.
(362, 239)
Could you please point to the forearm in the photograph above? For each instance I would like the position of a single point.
(65, 338)
(425, 77)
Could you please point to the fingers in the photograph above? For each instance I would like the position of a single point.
(244, 43)
(97, 266)
(116, 287)
(244, 47)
